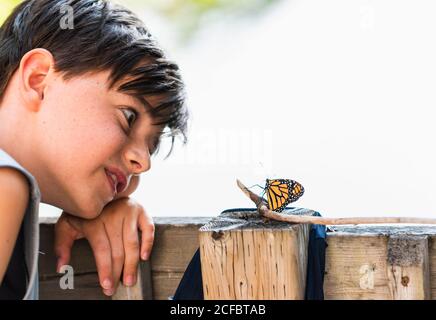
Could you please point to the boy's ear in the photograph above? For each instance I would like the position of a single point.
(34, 68)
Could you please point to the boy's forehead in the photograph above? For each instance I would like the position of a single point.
(102, 80)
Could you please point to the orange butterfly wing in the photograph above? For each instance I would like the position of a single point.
(281, 192)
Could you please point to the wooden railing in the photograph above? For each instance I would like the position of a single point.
(176, 240)
(362, 262)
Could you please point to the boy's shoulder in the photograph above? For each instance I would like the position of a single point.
(16, 171)
(14, 185)
(14, 188)
(19, 203)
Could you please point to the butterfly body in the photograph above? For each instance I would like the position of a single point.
(281, 192)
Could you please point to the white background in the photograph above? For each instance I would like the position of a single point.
(338, 95)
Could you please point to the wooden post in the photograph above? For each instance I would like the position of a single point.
(432, 264)
(408, 267)
(142, 290)
(378, 262)
(244, 258)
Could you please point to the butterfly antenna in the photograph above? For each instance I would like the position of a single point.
(256, 185)
(261, 197)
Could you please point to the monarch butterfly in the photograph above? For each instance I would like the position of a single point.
(281, 192)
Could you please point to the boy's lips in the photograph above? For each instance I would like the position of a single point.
(111, 184)
(117, 179)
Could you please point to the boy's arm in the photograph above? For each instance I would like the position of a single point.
(14, 195)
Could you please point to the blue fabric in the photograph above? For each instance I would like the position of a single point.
(191, 285)
(316, 262)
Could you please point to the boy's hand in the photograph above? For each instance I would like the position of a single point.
(114, 239)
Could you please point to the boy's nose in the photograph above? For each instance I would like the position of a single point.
(139, 160)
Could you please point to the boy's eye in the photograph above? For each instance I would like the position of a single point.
(130, 115)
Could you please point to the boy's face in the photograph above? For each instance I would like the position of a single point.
(83, 132)
(69, 134)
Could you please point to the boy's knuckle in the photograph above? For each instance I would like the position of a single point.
(101, 246)
(132, 243)
(132, 262)
(105, 269)
(118, 256)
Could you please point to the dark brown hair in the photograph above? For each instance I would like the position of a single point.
(105, 36)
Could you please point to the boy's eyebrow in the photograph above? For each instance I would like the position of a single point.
(143, 102)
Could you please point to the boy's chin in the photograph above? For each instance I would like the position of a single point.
(90, 211)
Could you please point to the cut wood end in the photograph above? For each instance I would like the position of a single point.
(240, 184)
(254, 197)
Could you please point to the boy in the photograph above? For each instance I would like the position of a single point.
(81, 112)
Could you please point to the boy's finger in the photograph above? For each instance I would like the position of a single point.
(99, 242)
(117, 249)
(131, 247)
(147, 228)
(64, 240)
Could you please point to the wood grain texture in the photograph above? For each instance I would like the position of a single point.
(355, 267)
(432, 265)
(165, 284)
(388, 263)
(142, 290)
(86, 287)
(244, 258)
(408, 267)
(357, 262)
(160, 276)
